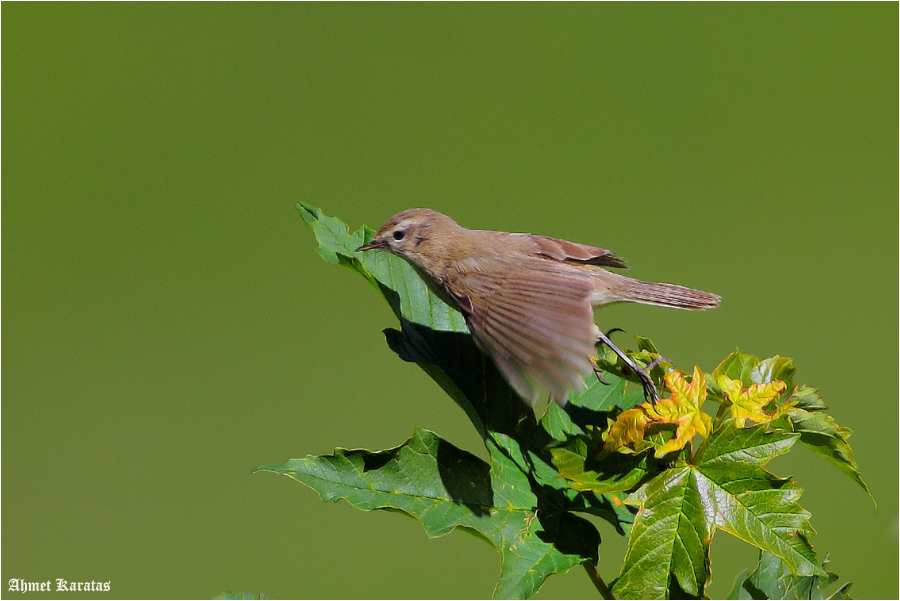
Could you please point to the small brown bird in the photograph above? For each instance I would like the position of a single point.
(528, 300)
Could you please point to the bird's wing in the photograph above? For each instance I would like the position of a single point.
(563, 250)
(533, 317)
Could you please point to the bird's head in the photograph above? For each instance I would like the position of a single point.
(417, 235)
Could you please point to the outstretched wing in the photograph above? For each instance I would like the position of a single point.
(533, 317)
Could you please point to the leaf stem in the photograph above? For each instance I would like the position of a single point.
(594, 575)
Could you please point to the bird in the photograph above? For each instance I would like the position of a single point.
(528, 300)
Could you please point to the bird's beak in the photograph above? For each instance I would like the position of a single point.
(375, 243)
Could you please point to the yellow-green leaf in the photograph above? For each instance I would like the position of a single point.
(627, 432)
(757, 402)
(682, 409)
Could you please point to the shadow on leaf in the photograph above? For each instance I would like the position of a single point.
(466, 478)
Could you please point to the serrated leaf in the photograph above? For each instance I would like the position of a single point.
(444, 488)
(771, 579)
(750, 503)
(684, 408)
(559, 424)
(529, 563)
(725, 488)
(756, 402)
(332, 235)
(808, 399)
(670, 537)
(627, 433)
(825, 438)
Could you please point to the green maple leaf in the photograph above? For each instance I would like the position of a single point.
(725, 488)
(444, 488)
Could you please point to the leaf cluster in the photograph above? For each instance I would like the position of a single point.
(667, 477)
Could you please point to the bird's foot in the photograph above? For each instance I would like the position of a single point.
(597, 345)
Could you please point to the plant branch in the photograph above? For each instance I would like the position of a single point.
(591, 569)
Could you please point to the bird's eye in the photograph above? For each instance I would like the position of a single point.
(398, 235)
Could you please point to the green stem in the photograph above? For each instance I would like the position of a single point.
(591, 569)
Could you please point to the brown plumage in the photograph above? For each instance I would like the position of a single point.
(528, 300)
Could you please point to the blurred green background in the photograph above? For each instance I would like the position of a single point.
(168, 326)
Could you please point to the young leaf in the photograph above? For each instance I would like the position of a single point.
(754, 403)
(682, 408)
(751, 370)
(444, 488)
(627, 433)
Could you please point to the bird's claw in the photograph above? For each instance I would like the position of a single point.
(650, 392)
(599, 374)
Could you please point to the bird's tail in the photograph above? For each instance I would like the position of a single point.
(620, 288)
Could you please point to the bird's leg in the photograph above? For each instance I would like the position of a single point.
(597, 371)
(650, 391)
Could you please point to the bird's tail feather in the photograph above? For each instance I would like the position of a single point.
(664, 295)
